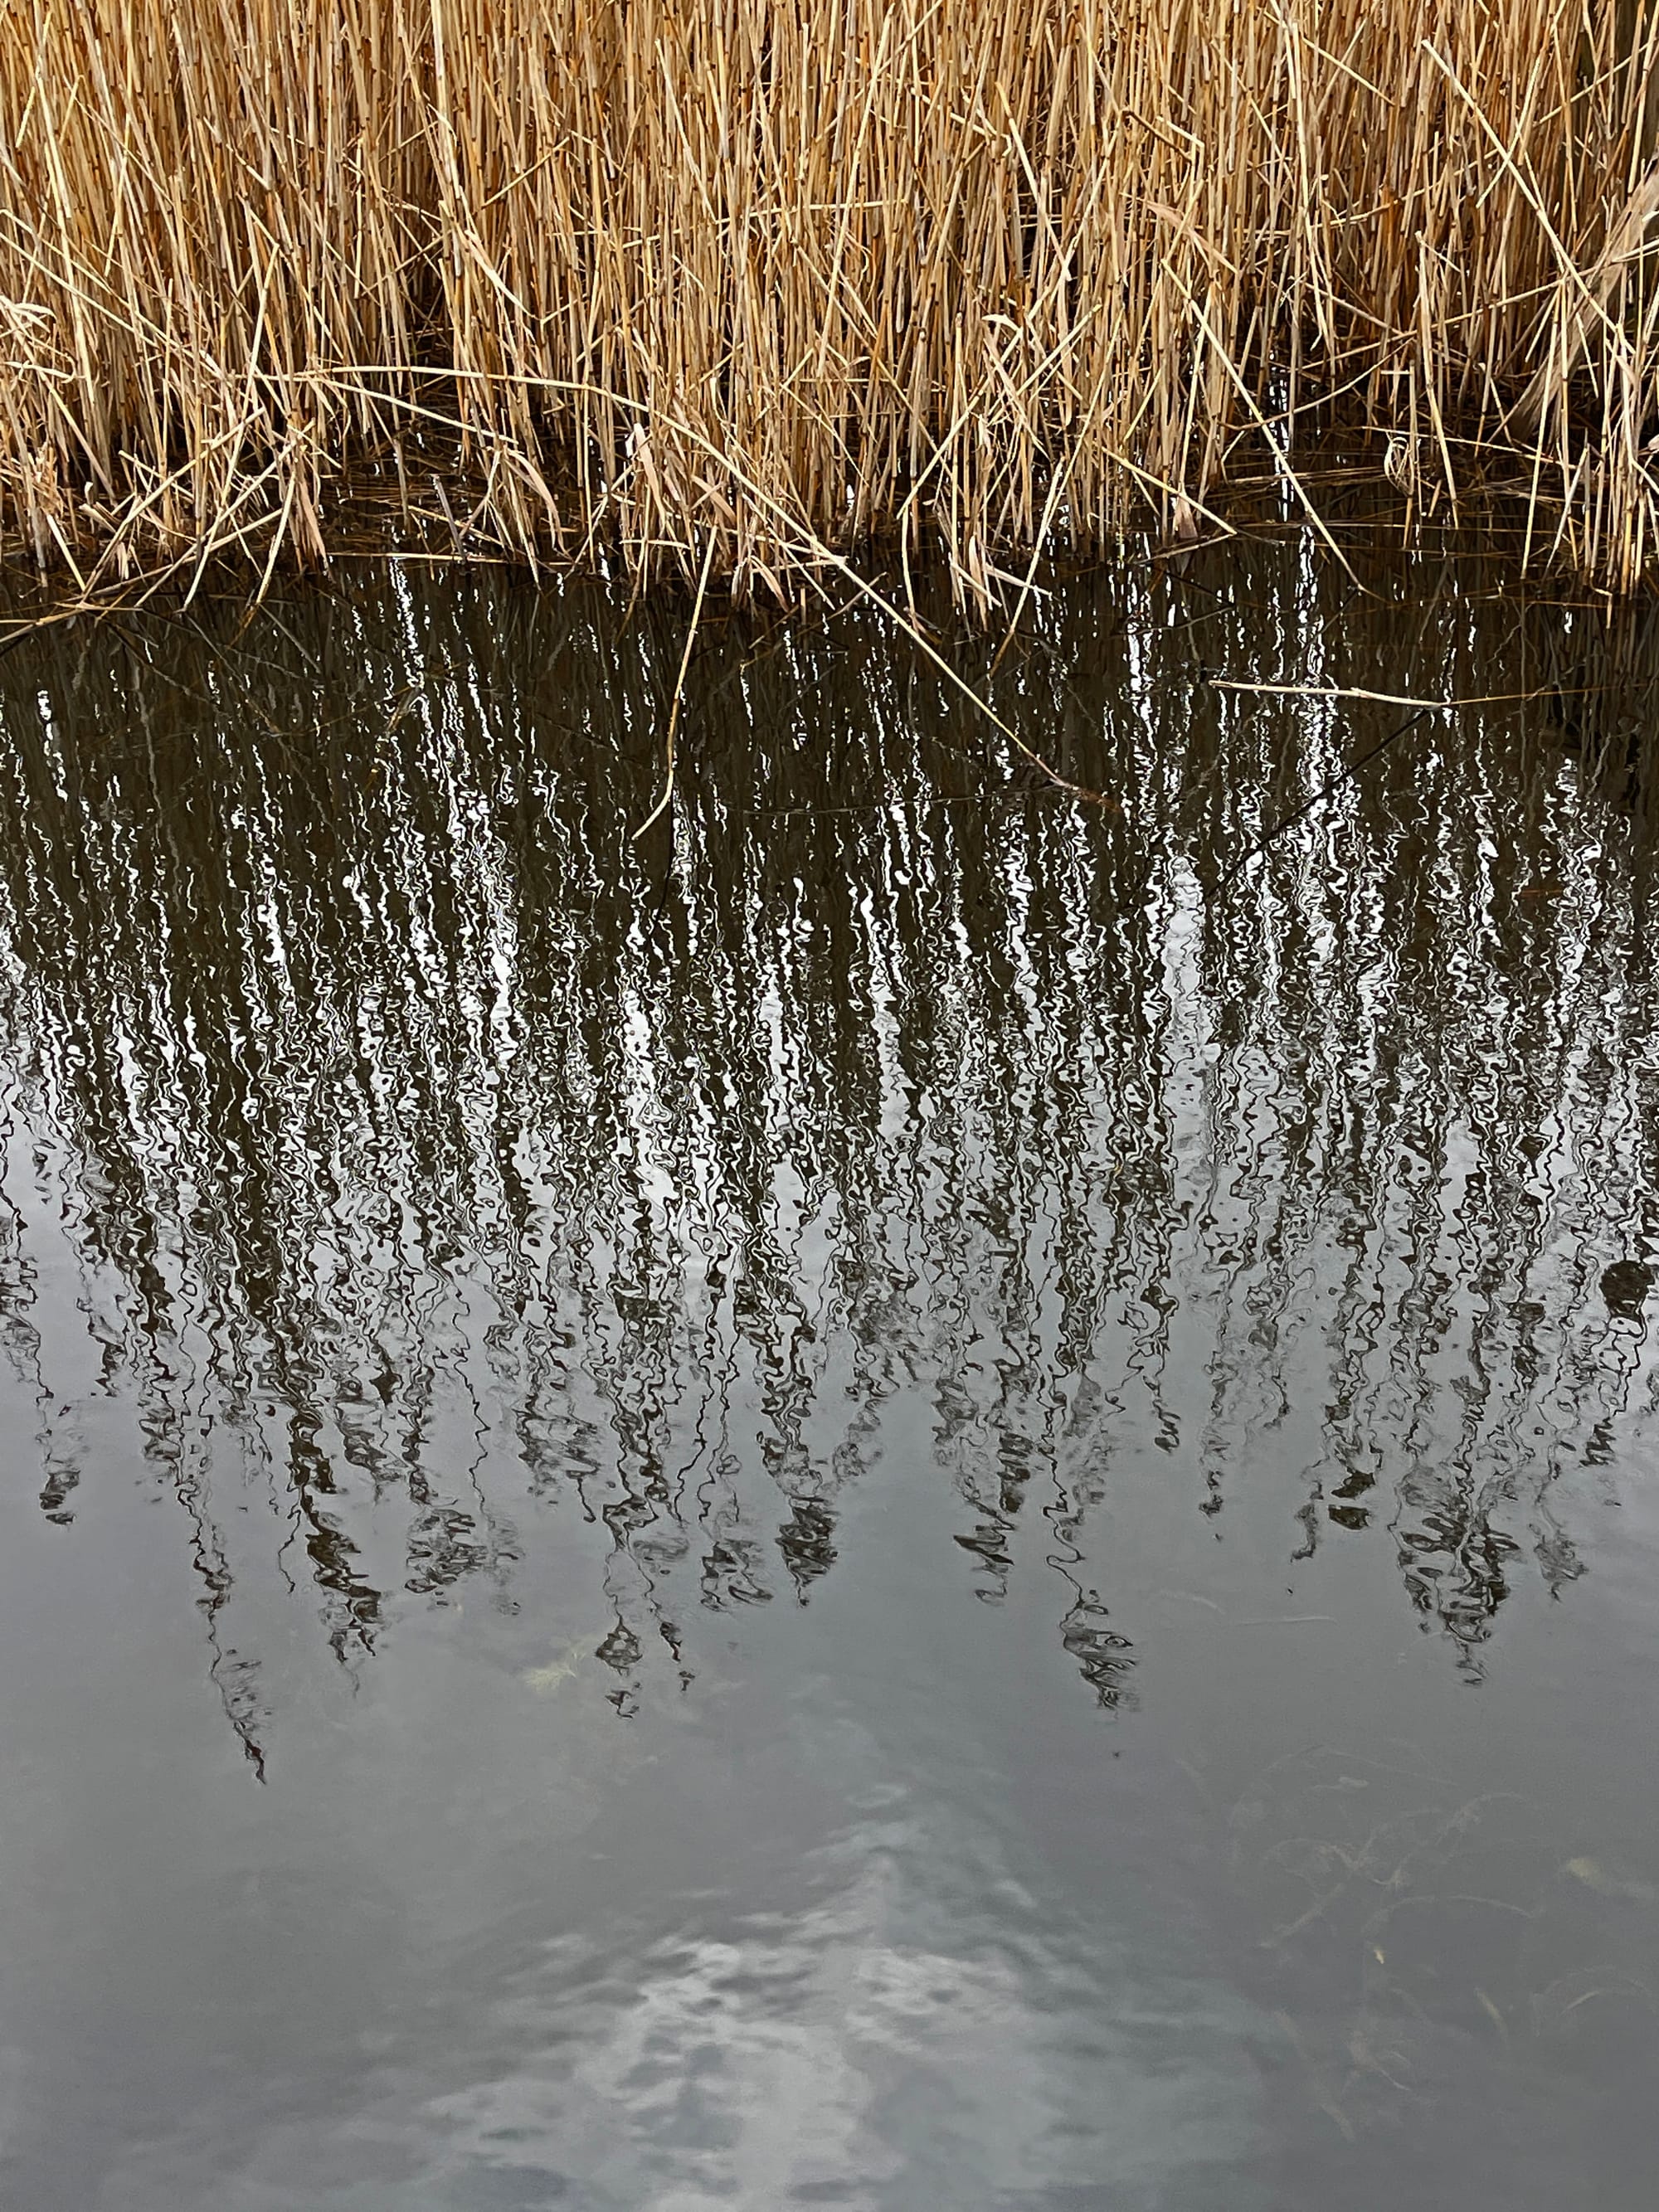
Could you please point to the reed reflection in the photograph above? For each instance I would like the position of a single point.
(392, 1136)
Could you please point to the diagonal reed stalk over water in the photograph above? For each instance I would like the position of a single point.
(747, 283)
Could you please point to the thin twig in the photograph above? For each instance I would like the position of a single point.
(1379, 698)
(679, 694)
(1289, 821)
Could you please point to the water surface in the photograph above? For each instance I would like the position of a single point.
(922, 1493)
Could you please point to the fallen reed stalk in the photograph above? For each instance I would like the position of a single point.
(774, 278)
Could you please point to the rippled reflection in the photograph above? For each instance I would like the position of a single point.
(430, 1155)
(442, 1203)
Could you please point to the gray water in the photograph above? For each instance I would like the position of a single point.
(922, 1494)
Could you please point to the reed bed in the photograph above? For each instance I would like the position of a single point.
(743, 285)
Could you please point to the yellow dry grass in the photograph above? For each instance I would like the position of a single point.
(751, 282)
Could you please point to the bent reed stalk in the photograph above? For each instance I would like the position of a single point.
(781, 276)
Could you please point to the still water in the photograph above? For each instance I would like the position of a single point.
(922, 1495)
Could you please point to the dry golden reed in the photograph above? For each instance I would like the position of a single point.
(755, 281)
